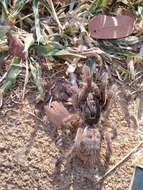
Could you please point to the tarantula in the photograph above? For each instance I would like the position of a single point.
(94, 101)
(91, 102)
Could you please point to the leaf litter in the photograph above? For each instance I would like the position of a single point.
(78, 35)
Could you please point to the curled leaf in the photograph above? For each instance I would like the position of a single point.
(16, 47)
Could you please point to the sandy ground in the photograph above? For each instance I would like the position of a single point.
(28, 151)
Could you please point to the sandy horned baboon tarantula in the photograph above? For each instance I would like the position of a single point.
(92, 100)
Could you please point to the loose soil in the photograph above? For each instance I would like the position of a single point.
(29, 149)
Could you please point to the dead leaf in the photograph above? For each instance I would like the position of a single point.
(56, 113)
(16, 46)
(111, 27)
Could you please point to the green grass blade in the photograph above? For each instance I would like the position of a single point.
(65, 54)
(116, 66)
(46, 50)
(37, 20)
(128, 41)
(11, 76)
(119, 52)
(4, 3)
(98, 5)
(55, 52)
(18, 7)
(37, 77)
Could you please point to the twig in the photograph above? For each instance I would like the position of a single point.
(120, 162)
(4, 76)
(38, 118)
(30, 113)
(55, 15)
(24, 17)
(26, 78)
(1, 100)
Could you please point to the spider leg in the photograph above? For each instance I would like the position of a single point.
(108, 139)
(72, 152)
(97, 148)
(114, 130)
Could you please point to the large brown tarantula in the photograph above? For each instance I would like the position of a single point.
(91, 102)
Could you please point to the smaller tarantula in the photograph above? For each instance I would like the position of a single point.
(92, 101)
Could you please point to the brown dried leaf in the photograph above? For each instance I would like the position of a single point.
(111, 27)
(16, 47)
(56, 113)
